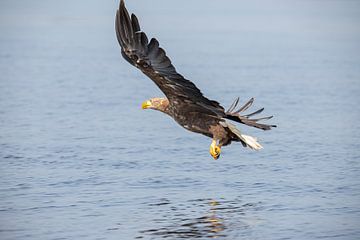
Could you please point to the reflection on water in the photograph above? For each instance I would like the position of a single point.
(199, 218)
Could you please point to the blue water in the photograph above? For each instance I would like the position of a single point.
(81, 160)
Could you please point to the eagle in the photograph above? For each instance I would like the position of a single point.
(183, 101)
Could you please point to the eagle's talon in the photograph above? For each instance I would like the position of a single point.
(215, 150)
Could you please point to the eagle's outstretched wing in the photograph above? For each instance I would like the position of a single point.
(152, 61)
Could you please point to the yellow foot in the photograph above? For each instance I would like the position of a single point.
(215, 150)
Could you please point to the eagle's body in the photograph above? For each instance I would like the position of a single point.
(184, 102)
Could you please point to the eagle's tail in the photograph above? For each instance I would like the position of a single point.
(251, 142)
(234, 115)
(247, 141)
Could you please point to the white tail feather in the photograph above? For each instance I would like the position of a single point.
(251, 142)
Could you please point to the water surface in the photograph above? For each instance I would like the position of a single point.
(81, 160)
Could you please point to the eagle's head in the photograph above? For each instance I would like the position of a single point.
(159, 104)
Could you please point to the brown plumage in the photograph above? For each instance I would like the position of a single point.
(184, 102)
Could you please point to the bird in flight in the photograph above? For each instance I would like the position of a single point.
(183, 101)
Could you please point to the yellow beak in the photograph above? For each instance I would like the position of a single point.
(146, 104)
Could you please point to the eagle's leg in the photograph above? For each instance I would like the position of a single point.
(215, 150)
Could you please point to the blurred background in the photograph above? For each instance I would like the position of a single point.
(81, 160)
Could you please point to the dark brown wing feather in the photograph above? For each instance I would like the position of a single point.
(245, 119)
(152, 60)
